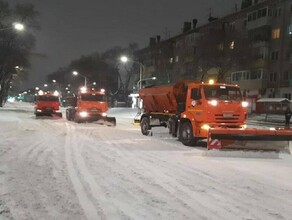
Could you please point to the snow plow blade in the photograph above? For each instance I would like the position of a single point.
(110, 121)
(250, 139)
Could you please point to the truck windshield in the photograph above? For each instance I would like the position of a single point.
(226, 93)
(47, 98)
(93, 97)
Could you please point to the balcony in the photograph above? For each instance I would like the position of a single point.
(253, 84)
(260, 22)
(286, 83)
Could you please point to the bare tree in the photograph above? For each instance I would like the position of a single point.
(224, 50)
(14, 48)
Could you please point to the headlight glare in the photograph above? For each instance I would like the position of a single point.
(83, 114)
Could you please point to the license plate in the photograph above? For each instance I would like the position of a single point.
(227, 115)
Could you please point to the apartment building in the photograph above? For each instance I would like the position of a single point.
(267, 27)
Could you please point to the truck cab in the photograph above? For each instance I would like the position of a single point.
(214, 105)
(89, 105)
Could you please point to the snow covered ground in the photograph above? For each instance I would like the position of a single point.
(54, 169)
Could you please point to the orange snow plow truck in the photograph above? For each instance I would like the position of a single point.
(90, 106)
(47, 104)
(217, 112)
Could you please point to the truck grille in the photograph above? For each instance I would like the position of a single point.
(47, 109)
(94, 110)
(226, 117)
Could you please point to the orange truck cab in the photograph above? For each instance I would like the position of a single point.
(189, 109)
(47, 104)
(89, 106)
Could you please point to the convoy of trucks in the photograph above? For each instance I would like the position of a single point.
(192, 111)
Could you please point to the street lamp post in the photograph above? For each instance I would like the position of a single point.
(125, 59)
(75, 73)
(140, 81)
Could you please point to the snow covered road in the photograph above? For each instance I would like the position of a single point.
(54, 169)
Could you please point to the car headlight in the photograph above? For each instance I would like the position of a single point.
(83, 114)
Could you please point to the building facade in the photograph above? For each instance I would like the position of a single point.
(199, 53)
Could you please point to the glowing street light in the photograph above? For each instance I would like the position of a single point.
(45, 85)
(16, 25)
(125, 59)
(54, 81)
(75, 73)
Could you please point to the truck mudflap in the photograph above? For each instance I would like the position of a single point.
(278, 139)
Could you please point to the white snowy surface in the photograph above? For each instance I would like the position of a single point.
(54, 169)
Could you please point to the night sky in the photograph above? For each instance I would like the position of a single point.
(71, 28)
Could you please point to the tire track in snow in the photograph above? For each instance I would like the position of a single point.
(38, 149)
(152, 158)
(215, 184)
(153, 192)
(91, 197)
(85, 202)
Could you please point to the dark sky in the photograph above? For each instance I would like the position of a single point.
(71, 28)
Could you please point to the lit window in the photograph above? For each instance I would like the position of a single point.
(231, 45)
(276, 33)
(171, 60)
(290, 29)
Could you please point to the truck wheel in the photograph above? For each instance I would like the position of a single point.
(172, 127)
(67, 116)
(77, 119)
(186, 134)
(145, 126)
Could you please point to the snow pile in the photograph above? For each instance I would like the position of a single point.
(242, 154)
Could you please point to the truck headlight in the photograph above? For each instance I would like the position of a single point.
(244, 104)
(213, 102)
(83, 114)
(39, 110)
(205, 127)
(103, 114)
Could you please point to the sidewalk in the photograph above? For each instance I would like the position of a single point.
(270, 118)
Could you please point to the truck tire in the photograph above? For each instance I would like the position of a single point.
(77, 119)
(145, 126)
(186, 134)
(67, 116)
(172, 123)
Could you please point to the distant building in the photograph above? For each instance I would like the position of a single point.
(267, 25)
